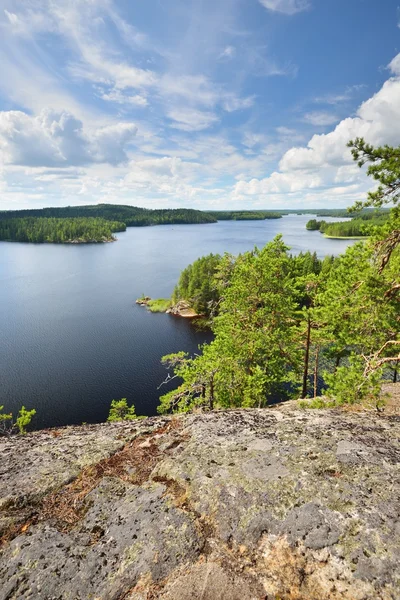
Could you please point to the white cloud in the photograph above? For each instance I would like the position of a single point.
(287, 7)
(59, 139)
(12, 17)
(188, 119)
(394, 65)
(233, 103)
(326, 162)
(320, 119)
(118, 97)
(119, 74)
(377, 120)
(194, 88)
(228, 52)
(345, 96)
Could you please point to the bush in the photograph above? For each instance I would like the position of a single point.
(7, 424)
(120, 411)
(349, 385)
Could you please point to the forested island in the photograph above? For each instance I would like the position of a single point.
(98, 223)
(78, 230)
(245, 215)
(360, 226)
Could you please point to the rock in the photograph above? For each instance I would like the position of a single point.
(143, 301)
(229, 505)
(183, 309)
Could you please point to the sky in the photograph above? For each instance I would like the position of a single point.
(208, 104)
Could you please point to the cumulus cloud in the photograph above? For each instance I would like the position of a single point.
(59, 139)
(326, 162)
(287, 7)
(394, 65)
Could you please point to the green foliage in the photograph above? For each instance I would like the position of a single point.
(6, 421)
(361, 226)
(254, 352)
(58, 230)
(120, 411)
(24, 418)
(7, 425)
(245, 215)
(314, 225)
(129, 215)
(197, 284)
(384, 168)
(159, 305)
(349, 385)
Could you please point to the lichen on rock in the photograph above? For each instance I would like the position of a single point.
(228, 505)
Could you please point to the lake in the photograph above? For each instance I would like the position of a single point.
(72, 337)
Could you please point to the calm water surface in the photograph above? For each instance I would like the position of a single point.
(72, 337)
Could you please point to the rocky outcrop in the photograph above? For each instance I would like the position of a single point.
(230, 505)
(143, 301)
(183, 309)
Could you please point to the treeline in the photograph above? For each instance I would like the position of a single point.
(59, 230)
(361, 226)
(244, 215)
(201, 283)
(132, 216)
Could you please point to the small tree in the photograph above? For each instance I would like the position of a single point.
(7, 424)
(120, 411)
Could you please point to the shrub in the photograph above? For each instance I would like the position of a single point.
(7, 424)
(120, 411)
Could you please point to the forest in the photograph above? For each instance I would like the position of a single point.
(245, 215)
(97, 223)
(59, 230)
(361, 226)
(288, 326)
(132, 216)
(56, 224)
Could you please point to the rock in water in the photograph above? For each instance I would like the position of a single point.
(229, 505)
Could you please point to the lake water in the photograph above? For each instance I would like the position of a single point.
(72, 337)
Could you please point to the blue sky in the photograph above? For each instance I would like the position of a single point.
(224, 104)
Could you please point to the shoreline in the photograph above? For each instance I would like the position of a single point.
(346, 237)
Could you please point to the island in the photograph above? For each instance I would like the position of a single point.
(97, 223)
(79, 230)
(358, 227)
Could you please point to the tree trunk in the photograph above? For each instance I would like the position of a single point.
(316, 372)
(395, 375)
(306, 359)
(212, 393)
